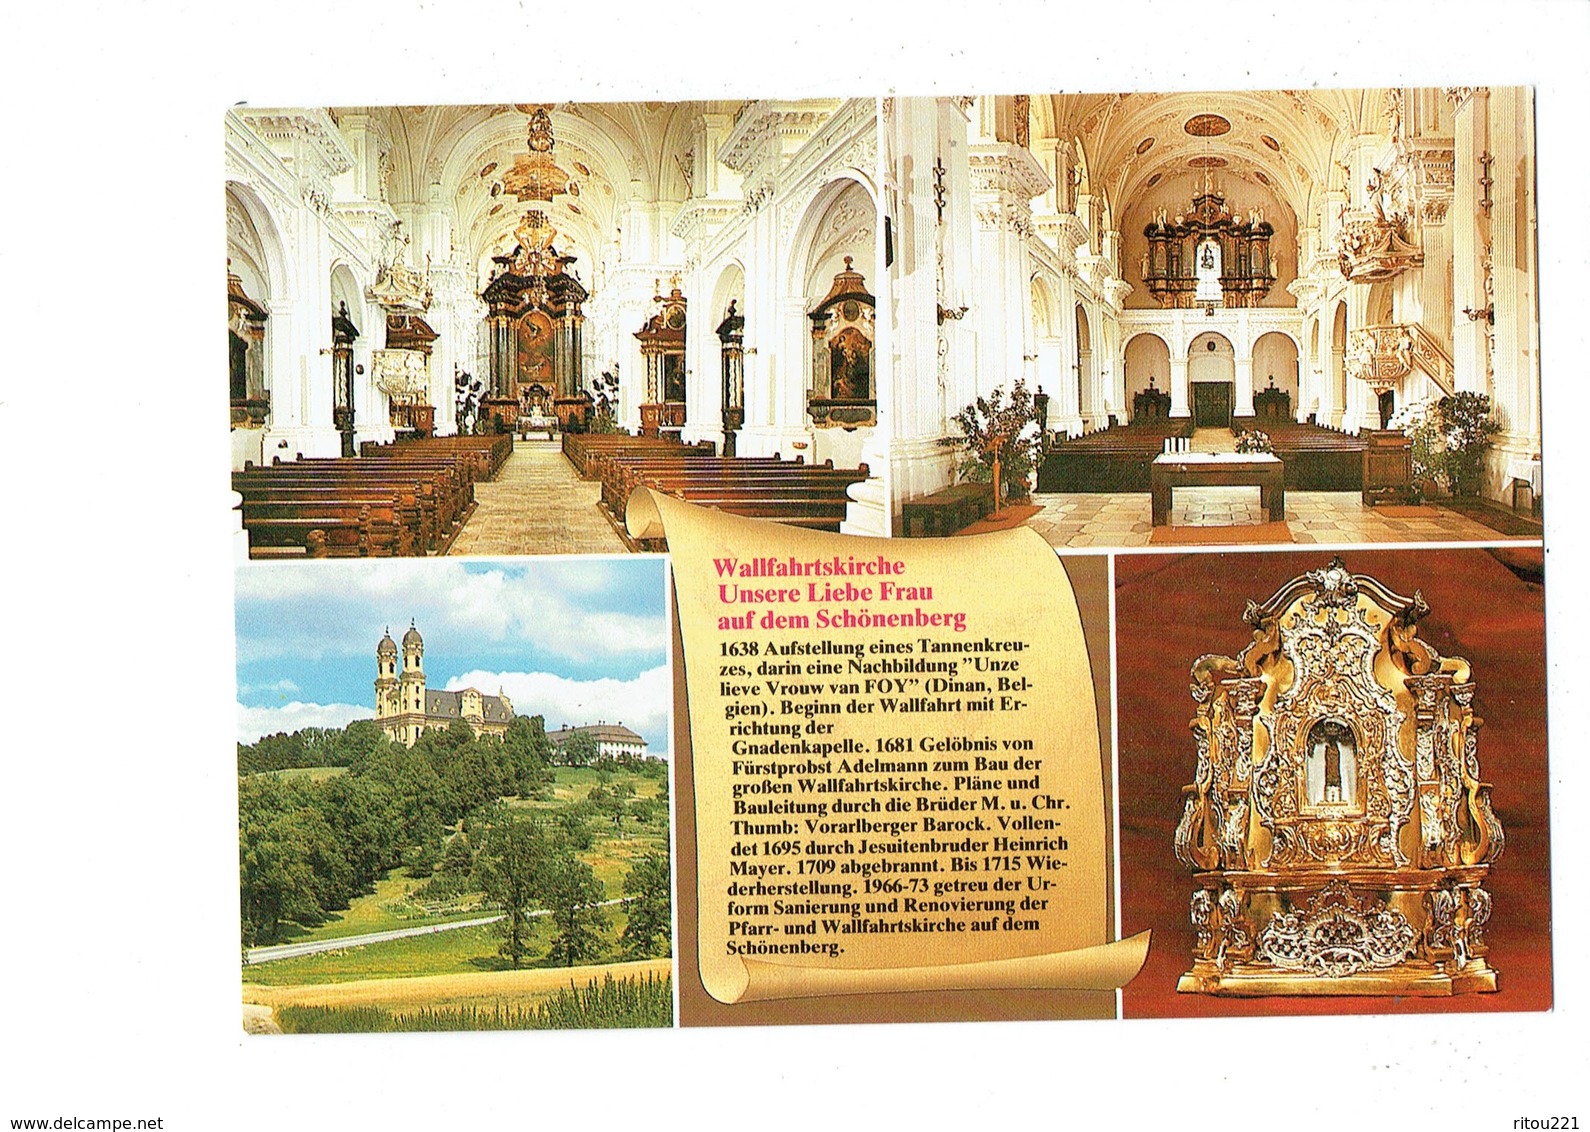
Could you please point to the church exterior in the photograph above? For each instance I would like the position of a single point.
(406, 709)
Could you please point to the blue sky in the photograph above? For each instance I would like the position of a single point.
(575, 640)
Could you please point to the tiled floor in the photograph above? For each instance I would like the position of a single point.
(1314, 517)
(537, 505)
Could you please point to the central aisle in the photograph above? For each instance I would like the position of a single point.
(537, 505)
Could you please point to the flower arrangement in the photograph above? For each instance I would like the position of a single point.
(1450, 438)
(1253, 440)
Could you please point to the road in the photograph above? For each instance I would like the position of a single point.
(315, 946)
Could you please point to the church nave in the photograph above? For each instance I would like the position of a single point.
(1322, 299)
(537, 504)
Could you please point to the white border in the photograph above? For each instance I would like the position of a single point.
(119, 806)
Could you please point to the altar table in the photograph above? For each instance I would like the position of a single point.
(1217, 469)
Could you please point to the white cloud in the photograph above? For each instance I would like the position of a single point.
(319, 609)
(253, 722)
(282, 687)
(640, 704)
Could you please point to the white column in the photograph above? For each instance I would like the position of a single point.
(918, 401)
(1468, 224)
(703, 366)
(1004, 179)
(1515, 382)
(1180, 393)
(1242, 345)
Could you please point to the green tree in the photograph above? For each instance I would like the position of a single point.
(452, 875)
(423, 802)
(579, 749)
(458, 859)
(357, 740)
(649, 908)
(568, 888)
(508, 871)
(277, 851)
(363, 818)
(572, 829)
(530, 756)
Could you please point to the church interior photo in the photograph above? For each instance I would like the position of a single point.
(1282, 316)
(406, 283)
(1236, 314)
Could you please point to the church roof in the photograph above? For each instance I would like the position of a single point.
(601, 732)
(450, 705)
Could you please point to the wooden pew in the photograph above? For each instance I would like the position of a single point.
(488, 453)
(586, 451)
(391, 504)
(1109, 460)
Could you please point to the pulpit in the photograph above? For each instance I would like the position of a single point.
(1338, 828)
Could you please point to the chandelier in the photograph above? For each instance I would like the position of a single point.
(536, 175)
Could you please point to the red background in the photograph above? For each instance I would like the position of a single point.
(1172, 609)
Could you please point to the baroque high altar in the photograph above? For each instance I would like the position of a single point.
(1337, 826)
(535, 318)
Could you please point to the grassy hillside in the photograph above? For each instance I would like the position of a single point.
(459, 972)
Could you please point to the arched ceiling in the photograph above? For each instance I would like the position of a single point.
(614, 154)
(1286, 141)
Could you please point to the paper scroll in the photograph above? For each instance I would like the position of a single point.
(896, 762)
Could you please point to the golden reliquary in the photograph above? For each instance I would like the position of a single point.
(1337, 825)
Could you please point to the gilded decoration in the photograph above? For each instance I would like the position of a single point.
(1337, 825)
(536, 175)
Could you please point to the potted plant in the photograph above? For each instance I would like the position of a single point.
(1001, 441)
(604, 416)
(1420, 423)
(1468, 427)
(1450, 438)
